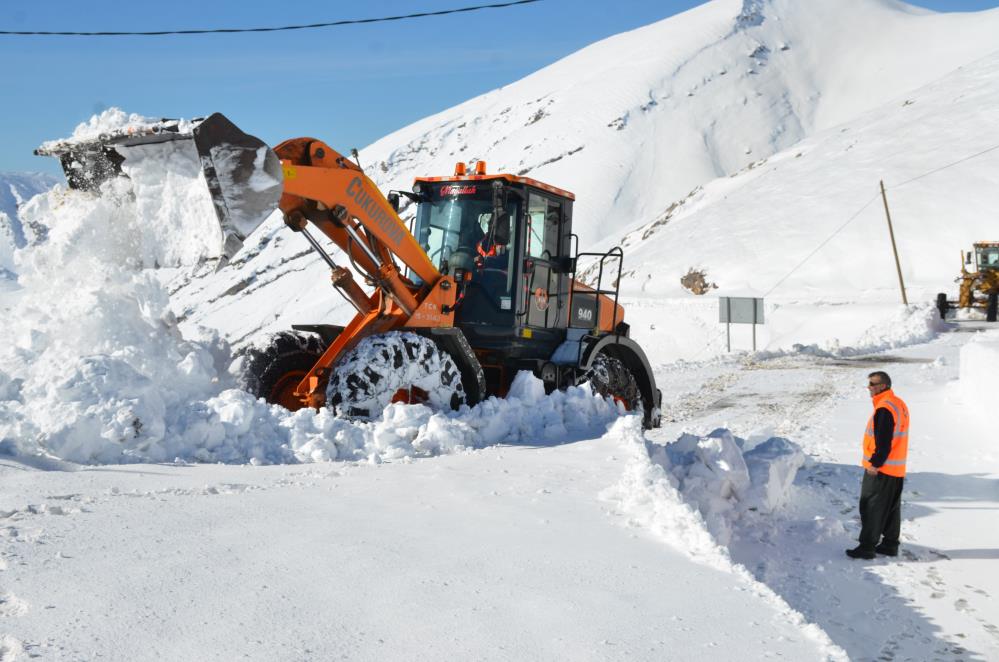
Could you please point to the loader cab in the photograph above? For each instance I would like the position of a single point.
(514, 288)
(987, 256)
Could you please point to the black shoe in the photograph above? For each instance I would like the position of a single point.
(860, 553)
(886, 550)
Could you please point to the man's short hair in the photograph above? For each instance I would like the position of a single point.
(882, 377)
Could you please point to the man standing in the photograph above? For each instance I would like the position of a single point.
(886, 444)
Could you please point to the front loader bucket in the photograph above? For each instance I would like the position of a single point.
(242, 174)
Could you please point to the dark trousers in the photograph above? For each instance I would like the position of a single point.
(880, 510)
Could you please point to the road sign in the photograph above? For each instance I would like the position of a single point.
(739, 310)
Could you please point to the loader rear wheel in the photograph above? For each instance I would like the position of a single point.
(611, 378)
(942, 304)
(394, 367)
(273, 371)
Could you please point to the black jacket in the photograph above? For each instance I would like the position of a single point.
(884, 432)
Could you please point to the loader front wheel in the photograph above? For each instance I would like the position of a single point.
(991, 307)
(273, 371)
(394, 367)
(611, 378)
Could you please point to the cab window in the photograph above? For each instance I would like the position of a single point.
(542, 227)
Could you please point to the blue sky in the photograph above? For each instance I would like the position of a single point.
(347, 85)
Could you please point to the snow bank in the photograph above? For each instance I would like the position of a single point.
(661, 486)
(724, 482)
(719, 477)
(979, 367)
(856, 330)
(687, 328)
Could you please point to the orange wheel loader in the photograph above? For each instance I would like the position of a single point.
(483, 287)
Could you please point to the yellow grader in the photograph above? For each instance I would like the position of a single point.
(979, 288)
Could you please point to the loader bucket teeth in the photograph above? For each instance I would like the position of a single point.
(89, 163)
(243, 176)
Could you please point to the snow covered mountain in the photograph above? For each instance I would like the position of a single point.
(634, 123)
(16, 188)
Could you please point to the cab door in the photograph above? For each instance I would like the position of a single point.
(544, 284)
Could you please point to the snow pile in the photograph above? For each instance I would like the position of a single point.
(526, 414)
(715, 474)
(979, 367)
(92, 366)
(648, 494)
(724, 481)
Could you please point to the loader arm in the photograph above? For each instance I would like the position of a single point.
(323, 187)
(313, 171)
(311, 183)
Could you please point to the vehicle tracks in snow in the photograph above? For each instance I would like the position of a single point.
(736, 386)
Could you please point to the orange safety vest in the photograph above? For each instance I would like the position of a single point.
(895, 464)
(483, 252)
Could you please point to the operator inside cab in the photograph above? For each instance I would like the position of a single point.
(452, 225)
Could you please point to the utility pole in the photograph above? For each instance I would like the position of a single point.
(894, 249)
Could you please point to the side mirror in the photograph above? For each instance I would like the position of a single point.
(393, 200)
(967, 257)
